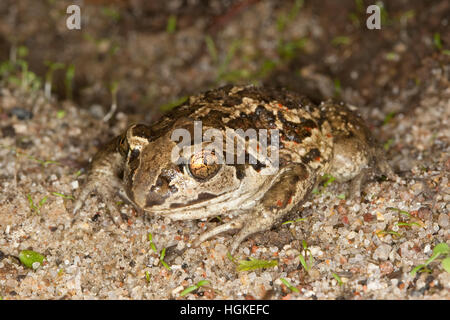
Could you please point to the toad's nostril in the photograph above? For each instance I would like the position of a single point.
(160, 191)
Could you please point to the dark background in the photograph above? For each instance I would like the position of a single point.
(157, 52)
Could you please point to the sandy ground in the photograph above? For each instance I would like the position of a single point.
(46, 144)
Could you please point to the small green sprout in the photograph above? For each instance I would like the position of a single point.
(287, 50)
(36, 208)
(171, 24)
(28, 79)
(231, 258)
(329, 180)
(52, 67)
(387, 145)
(161, 259)
(383, 13)
(147, 276)
(223, 69)
(437, 41)
(284, 19)
(31, 259)
(63, 195)
(439, 249)
(294, 221)
(44, 163)
(6, 67)
(360, 8)
(162, 253)
(405, 224)
(341, 40)
(392, 56)
(388, 117)
(68, 81)
(338, 279)
(337, 88)
(407, 15)
(266, 67)
(111, 13)
(152, 245)
(22, 51)
(211, 47)
(288, 285)
(169, 106)
(389, 232)
(60, 114)
(307, 252)
(403, 212)
(254, 264)
(196, 286)
(438, 44)
(341, 196)
(354, 19)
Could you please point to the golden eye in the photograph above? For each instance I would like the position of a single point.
(204, 165)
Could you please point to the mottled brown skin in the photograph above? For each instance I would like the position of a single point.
(314, 140)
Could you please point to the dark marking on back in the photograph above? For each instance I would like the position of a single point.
(312, 155)
(142, 130)
(213, 119)
(296, 132)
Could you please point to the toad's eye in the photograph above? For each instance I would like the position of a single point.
(123, 146)
(204, 165)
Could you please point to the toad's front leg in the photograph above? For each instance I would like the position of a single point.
(103, 178)
(290, 188)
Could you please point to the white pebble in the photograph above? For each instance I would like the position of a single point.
(176, 290)
(351, 235)
(443, 220)
(36, 265)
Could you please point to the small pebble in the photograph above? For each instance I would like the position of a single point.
(443, 220)
(21, 113)
(382, 252)
(380, 216)
(74, 185)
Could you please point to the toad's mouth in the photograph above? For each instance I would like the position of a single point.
(208, 204)
(202, 197)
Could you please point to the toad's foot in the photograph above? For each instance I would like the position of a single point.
(107, 193)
